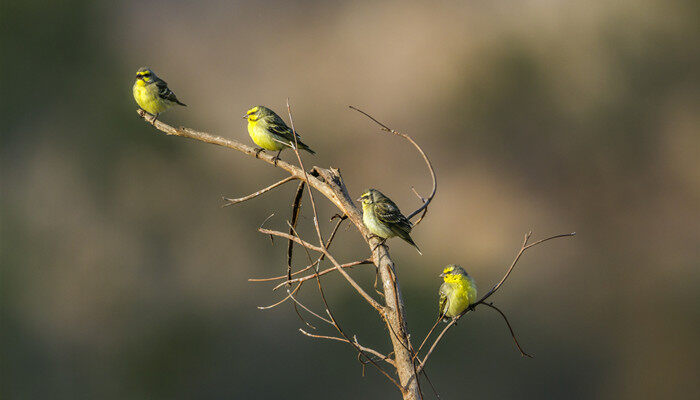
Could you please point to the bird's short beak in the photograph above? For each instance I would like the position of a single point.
(442, 275)
(359, 199)
(245, 116)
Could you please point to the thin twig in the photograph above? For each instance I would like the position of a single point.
(337, 265)
(296, 206)
(510, 328)
(524, 247)
(308, 267)
(363, 348)
(324, 272)
(230, 201)
(289, 295)
(306, 176)
(422, 153)
(334, 322)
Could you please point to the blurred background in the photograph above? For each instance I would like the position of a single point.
(122, 277)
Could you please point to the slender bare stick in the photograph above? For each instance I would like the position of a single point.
(334, 322)
(337, 265)
(510, 328)
(422, 153)
(363, 348)
(289, 295)
(308, 267)
(324, 272)
(230, 201)
(524, 247)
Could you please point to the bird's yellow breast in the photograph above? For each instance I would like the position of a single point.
(262, 137)
(463, 294)
(147, 98)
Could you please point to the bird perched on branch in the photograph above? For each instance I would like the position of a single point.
(152, 93)
(269, 131)
(457, 292)
(383, 217)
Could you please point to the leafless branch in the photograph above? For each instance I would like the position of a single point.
(337, 265)
(422, 153)
(296, 206)
(329, 183)
(363, 348)
(230, 202)
(321, 273)
(510, 328)
(524, 247)
(308, 267)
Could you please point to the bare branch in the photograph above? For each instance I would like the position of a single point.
(422, 153)
(281, 301)
(355, 342)
(230, 202)
(524, 247)
(510, 328)
(324, 272)
(308, 267)
(337, 265)
(330, 314)
(296, 207)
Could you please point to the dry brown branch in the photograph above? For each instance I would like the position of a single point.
(308, 267)
(230, 201)
(337, 265)
(334, 322)
(510, 328)
(427, 200)
(524, 247)
(296, 208)
(289, 295)
(321, 273)
(363, 348)
(329, 183)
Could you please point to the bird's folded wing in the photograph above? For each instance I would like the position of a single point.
(387, 212)
(165, 93)
(445, 290)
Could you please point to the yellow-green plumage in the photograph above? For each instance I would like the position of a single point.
(383, 217)
(457, 291)
(152, 93)
(270, 132)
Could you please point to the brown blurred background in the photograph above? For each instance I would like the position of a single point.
(121, 276)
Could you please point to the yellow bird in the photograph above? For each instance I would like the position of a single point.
(457, 292)
(384, 219)
(152, 93)
(269, 131)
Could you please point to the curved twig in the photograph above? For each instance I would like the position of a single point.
(524, 247)
(230, 201)
(422, 153)
(363, 348)
(289, 295)
(510, 328)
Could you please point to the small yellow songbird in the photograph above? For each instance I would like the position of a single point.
(269, 131)
(152, 93)
(383, 217)
(457, 292)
